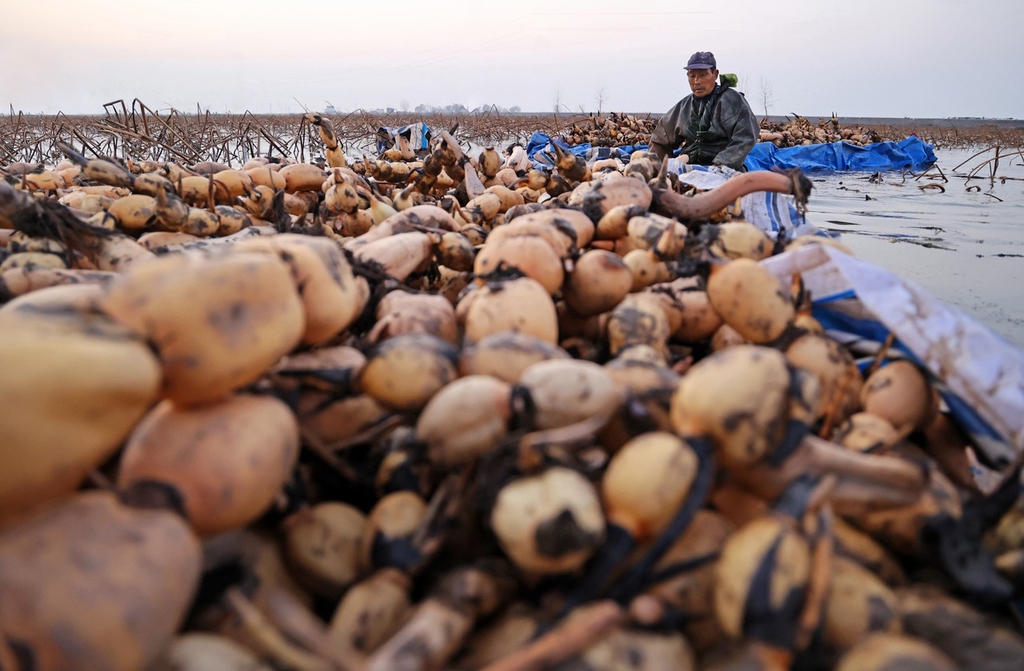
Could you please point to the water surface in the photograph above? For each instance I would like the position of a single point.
(964, 246)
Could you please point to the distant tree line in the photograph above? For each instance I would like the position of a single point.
(452, 109)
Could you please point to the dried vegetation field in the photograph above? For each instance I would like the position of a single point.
(140, 132)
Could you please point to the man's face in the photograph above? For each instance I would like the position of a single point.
(702, 82)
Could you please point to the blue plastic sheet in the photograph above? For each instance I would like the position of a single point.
(910, 154)
(977, 373)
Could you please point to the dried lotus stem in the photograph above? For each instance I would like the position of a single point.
(297, 623)
(439, 625)
(575, 634)
(270, 640)
(369, 434)
(47, 219)
(864, 481)
(821, 572)
(327, 454)
(819, 495)
(701, 206)
(880, 355)
(891, 471)
(98, 480)
(834, 404)
(579, 434)
(442, 508)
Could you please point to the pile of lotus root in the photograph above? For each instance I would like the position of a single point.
(799, 131)
(615, 130)
(612, 130)
(440, 414)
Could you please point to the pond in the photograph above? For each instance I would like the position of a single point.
(963, 243)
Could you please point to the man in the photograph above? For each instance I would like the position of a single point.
(715, 125)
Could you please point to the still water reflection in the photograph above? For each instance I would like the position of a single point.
(964, 246)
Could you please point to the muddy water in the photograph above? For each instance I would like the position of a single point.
(965, 247)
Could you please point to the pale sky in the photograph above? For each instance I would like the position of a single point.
(886, 58)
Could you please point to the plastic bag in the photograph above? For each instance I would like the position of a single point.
(980, 375)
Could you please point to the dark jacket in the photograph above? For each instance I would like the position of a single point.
(723, 135)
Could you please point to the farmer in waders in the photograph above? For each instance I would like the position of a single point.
(714, 125)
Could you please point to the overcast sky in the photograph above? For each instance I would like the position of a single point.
(887, 58)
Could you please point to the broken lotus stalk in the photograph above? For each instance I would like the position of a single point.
(863, 481)
(571, 636)
(440, 624)
(702, 206)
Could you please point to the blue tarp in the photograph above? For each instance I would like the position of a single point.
(910, 153)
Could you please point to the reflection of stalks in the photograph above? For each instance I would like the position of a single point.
(571, 637)
(935, 167)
